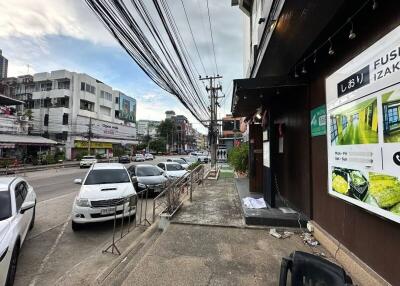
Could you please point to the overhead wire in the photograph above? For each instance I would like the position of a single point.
(212, 37)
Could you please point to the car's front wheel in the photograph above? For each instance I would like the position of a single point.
(12, 269)
(76, 226)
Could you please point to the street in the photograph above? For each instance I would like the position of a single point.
(52, 249)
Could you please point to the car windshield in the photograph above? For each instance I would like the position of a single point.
(174, 167)
(189, 159)
(5, 203)
(145, 171)
(107, 176)
(88, 157)
(180, 161)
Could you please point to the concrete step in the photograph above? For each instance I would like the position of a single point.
(119, 270)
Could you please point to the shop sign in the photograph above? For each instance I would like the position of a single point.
(363, 129)
(318, 121)
(93, 145)
(7, 146)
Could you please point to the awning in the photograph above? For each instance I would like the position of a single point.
(249, 94)
(26, 140)
(5, 100)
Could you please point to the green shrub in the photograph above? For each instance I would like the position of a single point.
(238, 157)
(194, 165)
(80, 155)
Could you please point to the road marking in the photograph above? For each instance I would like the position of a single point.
(55, 198)
(43, 232)
(47, 257)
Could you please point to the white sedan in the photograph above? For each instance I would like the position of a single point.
(106, 192)
(17, 216)
(173, 170)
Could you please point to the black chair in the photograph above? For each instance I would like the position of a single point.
(309, 269)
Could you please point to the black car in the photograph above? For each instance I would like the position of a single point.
(124, 159)
(148, 177)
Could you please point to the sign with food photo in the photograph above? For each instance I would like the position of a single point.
(363, 129)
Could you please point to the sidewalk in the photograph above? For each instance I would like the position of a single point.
(207, 243)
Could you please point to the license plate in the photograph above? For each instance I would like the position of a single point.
(107, 211)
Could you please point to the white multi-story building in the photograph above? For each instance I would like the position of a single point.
(70, 107)
(147, 127)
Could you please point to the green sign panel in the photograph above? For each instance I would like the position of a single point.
(318, 121)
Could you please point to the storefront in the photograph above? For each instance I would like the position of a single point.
(103, 149)
(322, 106)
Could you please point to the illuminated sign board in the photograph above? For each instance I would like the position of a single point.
(363, 129)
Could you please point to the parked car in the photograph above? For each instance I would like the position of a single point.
(183, 163)
(87, 161)
(173, 170)
(103, 191)
(190, 160)
(124, 159)
(201, 158)
(139, 158)
(148, 177)
(148, 156)
(17, 217)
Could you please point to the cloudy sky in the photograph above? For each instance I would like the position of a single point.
(65, 34)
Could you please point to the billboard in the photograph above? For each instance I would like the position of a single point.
(127, 108)
(363, 129)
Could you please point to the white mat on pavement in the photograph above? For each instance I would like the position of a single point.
(252, 203)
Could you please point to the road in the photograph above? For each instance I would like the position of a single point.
(52, 248)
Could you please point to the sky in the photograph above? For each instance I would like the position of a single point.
(42, 35)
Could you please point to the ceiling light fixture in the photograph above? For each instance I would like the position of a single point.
(352, 35)
(296, 75)
(331, 51)
(315, 57)
(304, 71)
(374, 5)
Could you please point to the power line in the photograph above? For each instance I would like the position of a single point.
(194, 41)
(212, 38)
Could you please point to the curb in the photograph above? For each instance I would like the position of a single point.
(132, 250)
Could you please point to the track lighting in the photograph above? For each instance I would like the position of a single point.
(315, 57)
(352, 35)
(331, 51)
(296, 75)
(304, 71)
(374, 5)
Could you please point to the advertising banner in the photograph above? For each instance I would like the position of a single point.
(127, 108)
(363, 129)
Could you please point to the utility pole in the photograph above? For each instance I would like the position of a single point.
(213, 126)
(89, 134)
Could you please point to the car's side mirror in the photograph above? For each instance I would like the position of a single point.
(78, 181)
(134, 179)
(26, 206)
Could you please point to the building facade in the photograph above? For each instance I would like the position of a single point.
(320, 97)
(3, 66)
(71, 107)
(147, 128)
(231, 134)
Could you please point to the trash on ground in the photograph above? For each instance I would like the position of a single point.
(283, 235)
(309, 239)
(252, 203)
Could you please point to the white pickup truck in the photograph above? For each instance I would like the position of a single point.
(87, 161)
(200, 157)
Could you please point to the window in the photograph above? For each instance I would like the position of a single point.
(174, 167)
(63, 84)
(65, 119)
(116, 113)
(110, 176)
(106, 95)
(116, 100)
(87, 88)
(83, 86)
(87, 105)
(147, 171)
(46, 120)
(5, 203)
(62, 136)
(161, 165)
(334, 131)
(102, 94)
(105, 110)
(20, 193)
(92, 89)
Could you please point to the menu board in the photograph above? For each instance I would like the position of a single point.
(363, 129)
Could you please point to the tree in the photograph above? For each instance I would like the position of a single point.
(157, 145)
(166, 130)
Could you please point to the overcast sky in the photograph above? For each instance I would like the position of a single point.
(65, 34)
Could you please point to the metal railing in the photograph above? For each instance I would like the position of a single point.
(128, 221)
(170, 200)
